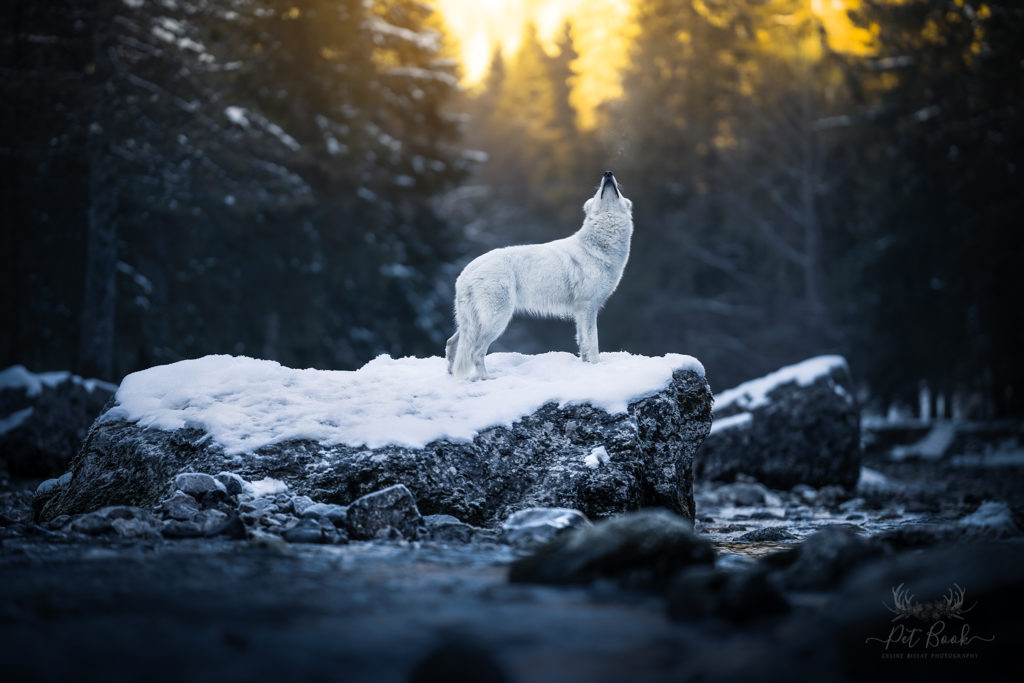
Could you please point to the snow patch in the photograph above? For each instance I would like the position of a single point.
(754, 394)
(732, 422)
(933, 446)
(245, 404)
(267, 486)
(597, 457)
(237, 116)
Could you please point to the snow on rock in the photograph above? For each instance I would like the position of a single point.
(267, 486)
(245, 404)
(732, 422)
(17, 377)
(477, 451)
(754, 394)
(797, 425)
(596, 458)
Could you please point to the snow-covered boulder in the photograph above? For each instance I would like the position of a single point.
(44, 417)
(548, 431)
(798, 425)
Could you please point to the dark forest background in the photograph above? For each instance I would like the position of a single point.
(303, 180)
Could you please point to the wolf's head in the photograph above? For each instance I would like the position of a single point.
(608, 198)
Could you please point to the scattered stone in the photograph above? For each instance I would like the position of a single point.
(388, 533)
(233, 483)
(448, 529)
(643, 549)
(135, 528)
(535, 526)
(703, 592)
(91, 524)
(335, 513)
(197, 484)
(58, 523)
(305, 531)
(824, 558)
(300, 503)
(992, 519)
(393, 506)
(176, 528)
(766, 533)
(180, 506)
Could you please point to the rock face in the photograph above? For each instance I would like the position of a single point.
(44, 418)
(799, 425)
(542, 460)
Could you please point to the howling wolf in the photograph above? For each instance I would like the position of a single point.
(568, 278)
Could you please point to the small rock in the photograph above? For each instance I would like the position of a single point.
(767, 533)
(701, 592)
(824, 558)
(180, 506)
(300, 503)
(536, 526)
(265, 541)
(388, 533)
(643, 549)
(231, 527)
(233, 483)
(393, 506)
(197, 484)
(176, 528)
(91, 524)
(305, 531)
(135, 528)
(335, 513)
(60, 522)
(743, 493)
(449, 529)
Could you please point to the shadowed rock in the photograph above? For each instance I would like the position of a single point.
(642, 549)
(799, 425)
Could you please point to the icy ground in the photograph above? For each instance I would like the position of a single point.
(245, 404)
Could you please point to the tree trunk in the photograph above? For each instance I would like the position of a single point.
(96, 333)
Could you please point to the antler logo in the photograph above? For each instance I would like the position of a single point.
(932, 638)
(949, 606)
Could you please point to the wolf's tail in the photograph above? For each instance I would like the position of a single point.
(467, 333)
(462, 366)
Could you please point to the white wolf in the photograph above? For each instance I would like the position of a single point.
(568, 278)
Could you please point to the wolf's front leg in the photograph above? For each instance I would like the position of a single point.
(586, 335)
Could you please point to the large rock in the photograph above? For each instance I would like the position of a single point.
(44, 417)
(798, 425)
(563, 453)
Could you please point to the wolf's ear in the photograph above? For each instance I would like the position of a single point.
(587, 204)
(629, 204)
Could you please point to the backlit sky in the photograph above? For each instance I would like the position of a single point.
(601, 31)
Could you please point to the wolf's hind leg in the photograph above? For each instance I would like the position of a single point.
(450, 349)
(586, 335)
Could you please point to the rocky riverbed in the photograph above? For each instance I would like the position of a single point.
(795, 582)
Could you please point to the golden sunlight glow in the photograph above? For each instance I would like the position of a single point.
(601, 30)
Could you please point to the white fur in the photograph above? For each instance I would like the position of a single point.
(568, 278)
